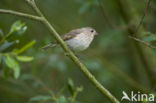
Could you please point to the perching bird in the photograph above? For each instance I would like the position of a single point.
(77, 39)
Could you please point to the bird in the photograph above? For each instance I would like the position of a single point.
(76, 39)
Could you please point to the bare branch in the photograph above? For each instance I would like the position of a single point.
(28, 16)
(142, 42)
(142, 18)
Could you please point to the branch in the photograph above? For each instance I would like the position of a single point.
(28, 16)
(142, 42)
(105, 16)
(81, 66)
(142, 18)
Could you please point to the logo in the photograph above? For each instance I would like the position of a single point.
(138, 97)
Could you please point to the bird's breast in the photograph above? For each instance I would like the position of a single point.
(80, 42)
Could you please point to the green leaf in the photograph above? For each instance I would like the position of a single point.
(12, 64)
(71, 86)
(1, 33)
(6, 45)
(6, 70)
(62, 99)
(18, 27)
(150, 38)
(24, 58)
(24, 48)
(41, 97)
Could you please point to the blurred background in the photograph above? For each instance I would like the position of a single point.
(28, 74)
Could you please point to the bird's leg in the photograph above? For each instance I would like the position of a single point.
(66, 54)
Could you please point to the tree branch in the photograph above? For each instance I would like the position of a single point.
(142, 42)
(28, 16)
(142, 18)
(81, 66)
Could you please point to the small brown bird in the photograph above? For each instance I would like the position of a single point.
(77, 39)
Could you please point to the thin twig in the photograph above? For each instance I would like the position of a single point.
(28, 16)
(143, 42)
(5, 37)
(142, 18)
(109, 22)
(105, 16)
(74, 96)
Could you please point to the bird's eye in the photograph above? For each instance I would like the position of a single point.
(92, 31)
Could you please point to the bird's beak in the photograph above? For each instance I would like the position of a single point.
(96, 34)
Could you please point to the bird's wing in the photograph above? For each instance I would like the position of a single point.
(65, 37)
(71, 34)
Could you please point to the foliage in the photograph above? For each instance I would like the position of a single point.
(10, 57)
(59, 97)
(118, 62)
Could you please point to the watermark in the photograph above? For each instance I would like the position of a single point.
(137, 97)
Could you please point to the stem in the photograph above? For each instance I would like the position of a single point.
(4, 38)
(81, 66)
(105, 15)
(74, 96)
(28, 16)
(142, 19)
(143, 42)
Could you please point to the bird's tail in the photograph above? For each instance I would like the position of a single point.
(49, 46)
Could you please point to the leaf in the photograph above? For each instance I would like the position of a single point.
(18, 27)
(41, 97)
(62, 99)
(1, 33)
(6, 45)
(147, 33)
(71, 86)
(150, 38)
(24, 48)
(24, 58)
(5, 68)
(12, 64)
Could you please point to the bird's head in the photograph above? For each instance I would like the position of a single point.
(89, 30)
